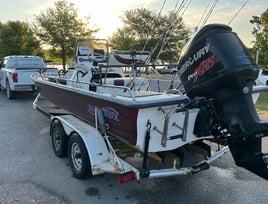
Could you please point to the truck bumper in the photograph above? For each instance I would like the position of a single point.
(24, 88)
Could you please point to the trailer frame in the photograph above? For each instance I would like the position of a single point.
(102, 156)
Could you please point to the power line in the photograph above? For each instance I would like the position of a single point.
(202, 18)
(238, 12)
(159, 13)
(210, 12)
(162, 8)
(164, 34)
(164, 41)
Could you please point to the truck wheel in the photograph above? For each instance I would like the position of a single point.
(59, 139)
(78, 157)
(10, 94)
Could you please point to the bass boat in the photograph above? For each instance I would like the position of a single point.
(217, 73)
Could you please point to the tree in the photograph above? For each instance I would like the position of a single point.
(260, 32)
(164, 36)
(60, 26)
(17, 38)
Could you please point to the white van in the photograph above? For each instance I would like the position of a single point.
(16, 71)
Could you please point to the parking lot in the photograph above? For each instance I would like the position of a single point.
(31, 173)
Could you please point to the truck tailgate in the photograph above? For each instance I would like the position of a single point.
(24, 76)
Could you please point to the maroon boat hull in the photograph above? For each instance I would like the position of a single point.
(121, 120)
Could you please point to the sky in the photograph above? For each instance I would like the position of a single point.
(105, 14)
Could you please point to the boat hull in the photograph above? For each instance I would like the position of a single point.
(121, 120)
(127, 114)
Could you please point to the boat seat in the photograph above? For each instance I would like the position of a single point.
(81, 76)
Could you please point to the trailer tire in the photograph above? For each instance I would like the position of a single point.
(78, 157)
(59, 139)
(9, 92)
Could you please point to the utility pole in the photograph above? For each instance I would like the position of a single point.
(257, 55)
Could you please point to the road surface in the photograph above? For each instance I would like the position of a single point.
(31, 173)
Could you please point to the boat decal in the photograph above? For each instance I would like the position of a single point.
(194, 58)
(81, 59)
(204, 66)
(108, 112)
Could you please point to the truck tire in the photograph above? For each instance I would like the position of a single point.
(78, 157)
(9, 92)
(59, 139)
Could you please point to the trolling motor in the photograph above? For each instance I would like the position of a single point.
(218, 72)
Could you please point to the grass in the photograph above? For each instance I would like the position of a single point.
(262, 102)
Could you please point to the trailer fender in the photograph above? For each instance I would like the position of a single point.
(92, 138)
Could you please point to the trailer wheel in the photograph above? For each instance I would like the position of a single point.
(10, 94)
(78, 157)
(59, 139)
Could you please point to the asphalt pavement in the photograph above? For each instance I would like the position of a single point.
(31, 173)
(17, 161)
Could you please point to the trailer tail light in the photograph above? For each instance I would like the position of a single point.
(129, 176)
(15, 77)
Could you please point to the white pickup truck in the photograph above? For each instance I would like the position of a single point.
(262, 79)
(16, 71)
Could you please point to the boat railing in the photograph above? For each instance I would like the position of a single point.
(79, 84)
(124, 89)
(105, 84)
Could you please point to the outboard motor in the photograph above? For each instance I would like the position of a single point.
(217, 71)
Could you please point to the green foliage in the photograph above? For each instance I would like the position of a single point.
(260, 32)
(59, 27)
(17, 38)
(164, 36)
(262, 102)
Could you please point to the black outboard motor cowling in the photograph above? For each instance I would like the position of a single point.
(217, 66)
(214, 59)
